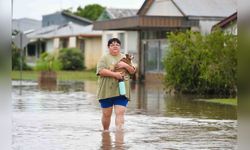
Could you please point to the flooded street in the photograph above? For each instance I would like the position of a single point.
(67, 117)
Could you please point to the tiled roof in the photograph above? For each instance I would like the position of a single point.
(198, 8)
(207, 8)
(115, 13)
(25, 24)
(69, 29)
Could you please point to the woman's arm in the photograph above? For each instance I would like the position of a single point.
(130, 69)
(109, 73)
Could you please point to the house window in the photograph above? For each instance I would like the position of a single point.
(155, 51)
(109, 36)
(64, 42)
(152, 56)
(82, 46)
(121, 37)
(31, 50)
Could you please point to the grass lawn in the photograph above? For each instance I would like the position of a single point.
(62, 75)
(228, 101)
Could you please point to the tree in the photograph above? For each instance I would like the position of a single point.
(91, 12)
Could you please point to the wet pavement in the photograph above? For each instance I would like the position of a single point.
(67, 117)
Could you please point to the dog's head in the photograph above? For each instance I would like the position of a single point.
(128, 59)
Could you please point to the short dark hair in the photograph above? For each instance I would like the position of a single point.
(114, 40)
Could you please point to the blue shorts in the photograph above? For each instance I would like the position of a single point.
(109, 102)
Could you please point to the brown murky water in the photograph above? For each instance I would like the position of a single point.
(67, 117)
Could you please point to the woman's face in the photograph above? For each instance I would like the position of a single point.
(114, 48)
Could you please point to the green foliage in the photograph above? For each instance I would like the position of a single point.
(71, 59)
(201, 64)
(48, 62)
(16, 59)
(91, 12)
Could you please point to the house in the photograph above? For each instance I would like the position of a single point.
(156, 18)
(127, 38)
(54, 37)
(228, 24)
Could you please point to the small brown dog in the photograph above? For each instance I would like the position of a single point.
(127, 60)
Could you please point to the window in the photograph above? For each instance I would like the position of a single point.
(63, 43)
(155, 51)
(121, 37)
(109, 36)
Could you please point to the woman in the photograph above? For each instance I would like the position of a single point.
(108, 93)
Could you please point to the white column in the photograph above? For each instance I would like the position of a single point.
(56, 43)
(72, 42)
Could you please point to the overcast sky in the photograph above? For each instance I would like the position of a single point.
(36, 8)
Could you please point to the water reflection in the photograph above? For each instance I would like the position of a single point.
(106, 141)
(152, 100)
(119, 140)
(118, 143)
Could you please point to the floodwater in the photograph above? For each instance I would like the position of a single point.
(67, 117)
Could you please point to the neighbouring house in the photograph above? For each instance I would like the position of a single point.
(25, 25)
(228, 24)
(54, 37)
(127, 38)
(156, 18)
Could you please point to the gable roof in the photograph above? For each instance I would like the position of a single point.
(145, 6)
(207, 8)
(75, 17)
(114, 13)
(227, 21)
(198, 8)
(25, 24)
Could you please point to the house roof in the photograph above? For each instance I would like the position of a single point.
(145, 6)
(69, 29)
(25, 24)
(75, 17)
(198, 8)
(227, 21)
(206, 8)
(115, 13)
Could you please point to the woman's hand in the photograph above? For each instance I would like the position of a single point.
(118, 75)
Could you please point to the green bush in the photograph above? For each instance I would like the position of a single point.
(71, 59)
(16, 61)
(48, 62)
(201, 64)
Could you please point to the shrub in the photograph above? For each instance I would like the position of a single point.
(201, 64)
(16, 61)
(48, 62)
(71, 59)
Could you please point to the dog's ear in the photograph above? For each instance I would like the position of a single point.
(131, 57)
(127, 55)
